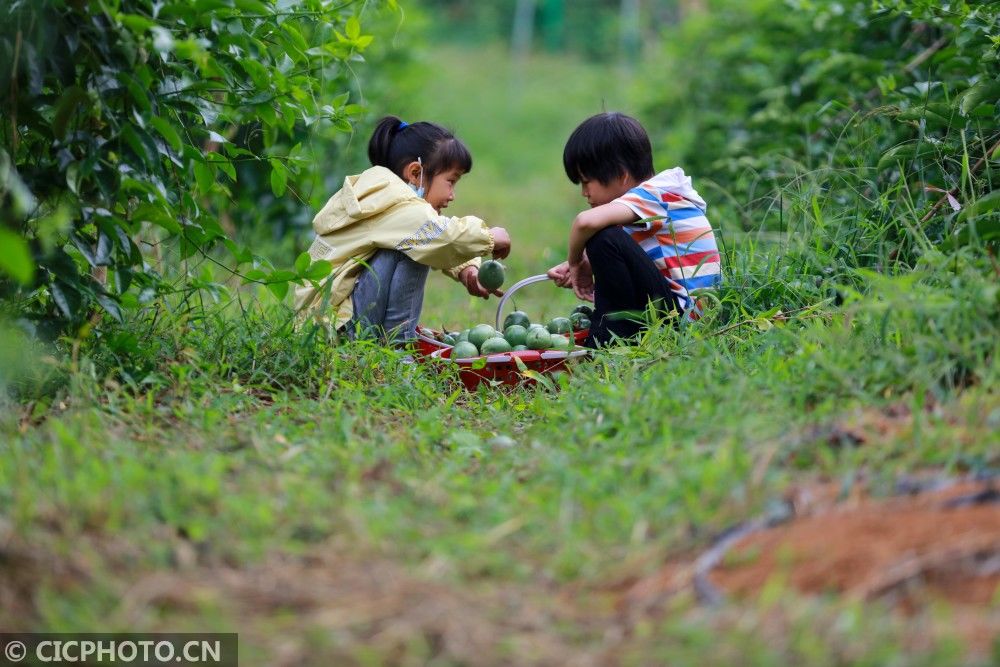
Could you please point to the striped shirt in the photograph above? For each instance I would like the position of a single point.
(681, 242)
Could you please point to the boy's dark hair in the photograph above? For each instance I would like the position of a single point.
(607, 145)
(395, 144)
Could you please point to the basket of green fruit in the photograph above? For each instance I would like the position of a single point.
(515, 350)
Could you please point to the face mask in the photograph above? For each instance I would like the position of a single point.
(419, 189)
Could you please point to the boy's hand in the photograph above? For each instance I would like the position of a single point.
(469, 276)
(581, 278)
(501, 242)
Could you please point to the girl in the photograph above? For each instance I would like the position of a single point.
(383, 231)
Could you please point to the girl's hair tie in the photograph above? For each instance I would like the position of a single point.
(403, 124)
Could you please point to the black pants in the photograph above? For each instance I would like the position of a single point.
(625, 279)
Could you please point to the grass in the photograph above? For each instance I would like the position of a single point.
(335, 505)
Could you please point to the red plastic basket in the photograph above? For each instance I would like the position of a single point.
(503, 369)
(427, 344)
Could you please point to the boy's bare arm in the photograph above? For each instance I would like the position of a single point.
(589, 222)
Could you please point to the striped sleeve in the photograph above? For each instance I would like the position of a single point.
(675, 233)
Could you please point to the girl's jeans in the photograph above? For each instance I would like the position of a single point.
(625, 279)
(388, 297)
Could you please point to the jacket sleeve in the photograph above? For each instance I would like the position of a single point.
(455, 270)
(439, 241)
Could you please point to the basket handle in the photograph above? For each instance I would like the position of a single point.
(513, 288)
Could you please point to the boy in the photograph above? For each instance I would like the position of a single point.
(618, 257)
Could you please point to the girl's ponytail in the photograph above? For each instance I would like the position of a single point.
(395, 144)
(380, 145)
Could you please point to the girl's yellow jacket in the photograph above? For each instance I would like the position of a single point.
(376, 209)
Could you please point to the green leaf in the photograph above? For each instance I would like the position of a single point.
(157, 216)
(295, 36)
(982, 92)
(281, 276)
(240, 253)
(66, 300)
(167, 131)
(302, 263)
(318, 270)
(986, 204)
(904, 153)
(140, 144)
(254, 275)
(353, 28)
(110, 306)
(72, 101)
(102, 256)
(539, 378)
(252, 6)
(138, 94)
(205, 177)
(15, 257)
(257, 72)
(279, 178)
(136, 23)
(278, 289)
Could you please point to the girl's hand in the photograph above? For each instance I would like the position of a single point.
(469, 276)
(559, 274)
(501, 242)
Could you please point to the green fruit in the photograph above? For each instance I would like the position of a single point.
(519, 348)
(517, 317)
(559, 325)
(480, 333)
(560, 342)
(463, 336)
(495, 345)
(539, 339)
(515, 334)
(449, 339)
(579, 321)
(491, 274)
(585, 309)
(464, 350)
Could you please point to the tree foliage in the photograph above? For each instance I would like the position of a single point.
(903, 95)
(128, 125)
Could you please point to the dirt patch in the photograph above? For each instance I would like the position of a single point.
(865, 548)
(938, 542)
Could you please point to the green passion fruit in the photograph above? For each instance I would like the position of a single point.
(579, 321)
(560, 342)
(491, 274)
(464, 350)
(480, 333)
(559, 325)
(539, 339)
(495, 345)
(516, 334)
(517, 317)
